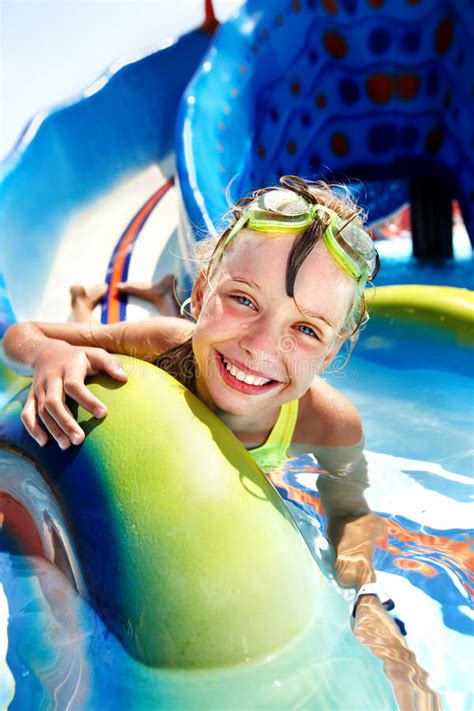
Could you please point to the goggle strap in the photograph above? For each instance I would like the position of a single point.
(243, 219)
(272, 225)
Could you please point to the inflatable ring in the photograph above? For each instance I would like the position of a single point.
(443, 309)
(180, 539)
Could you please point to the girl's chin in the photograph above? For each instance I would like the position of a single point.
(234, 403)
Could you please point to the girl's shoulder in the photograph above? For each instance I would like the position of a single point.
(327, 418)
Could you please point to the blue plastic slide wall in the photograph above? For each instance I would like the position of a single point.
(75, 152)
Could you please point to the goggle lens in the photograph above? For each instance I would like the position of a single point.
(281, 202)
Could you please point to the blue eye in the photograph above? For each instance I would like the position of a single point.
(244, 300)
(308, 331)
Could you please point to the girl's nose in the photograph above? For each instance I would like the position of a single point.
(260, 338)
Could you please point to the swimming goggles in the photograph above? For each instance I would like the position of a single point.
(283, 210)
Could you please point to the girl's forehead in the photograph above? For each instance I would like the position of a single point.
(268, 254)
(249, 242)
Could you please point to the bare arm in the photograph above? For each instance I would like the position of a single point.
(141, 339)
(332, 421)
(354, 531)
(353, 528)
(376, 629)
(61, 356)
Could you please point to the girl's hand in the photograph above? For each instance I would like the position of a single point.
(60, 370)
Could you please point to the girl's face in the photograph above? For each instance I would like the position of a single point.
(255, 346)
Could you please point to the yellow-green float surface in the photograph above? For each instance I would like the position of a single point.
(200, 529)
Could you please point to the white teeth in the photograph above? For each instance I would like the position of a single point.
(245, 377)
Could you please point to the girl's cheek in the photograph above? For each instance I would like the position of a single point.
(221, 317)
(304, 368)
(213, 309)
(230, 311)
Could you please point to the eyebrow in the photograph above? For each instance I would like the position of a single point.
(249, 282)
(319, 317)
(304, 312)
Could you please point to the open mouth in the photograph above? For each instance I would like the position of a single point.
(239, 380)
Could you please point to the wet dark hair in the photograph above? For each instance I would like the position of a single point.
(180, 363)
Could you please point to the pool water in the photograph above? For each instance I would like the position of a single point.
(415, 395)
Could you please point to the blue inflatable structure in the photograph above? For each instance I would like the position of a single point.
(376, 93)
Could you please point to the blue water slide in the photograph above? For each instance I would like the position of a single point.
(72, 153)
(377, 93)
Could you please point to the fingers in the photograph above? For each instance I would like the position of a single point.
(82, 395)
(62, 374)
(52, 426)
(58, 418)
(115, 369)
(99, 360)
(56, 415)
(29, 417)
(37, 407)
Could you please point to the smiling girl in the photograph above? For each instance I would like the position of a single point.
(280, 292)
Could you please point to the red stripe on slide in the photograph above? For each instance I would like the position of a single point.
(127, 240)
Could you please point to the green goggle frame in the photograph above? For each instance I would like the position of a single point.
(282, 211)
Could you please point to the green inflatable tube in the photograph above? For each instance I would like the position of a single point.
(186, 548)
(445, 309)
